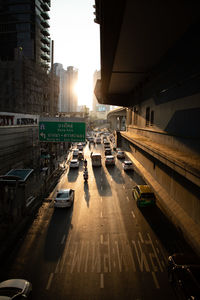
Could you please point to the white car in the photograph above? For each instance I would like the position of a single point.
(74, 163)
(120, 154)
(127, 165)
(80, 146)
(15, 289)
(64, 198)
(75, 152)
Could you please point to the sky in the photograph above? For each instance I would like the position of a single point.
(76, 42)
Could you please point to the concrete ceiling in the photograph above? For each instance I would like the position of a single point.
(136, 37)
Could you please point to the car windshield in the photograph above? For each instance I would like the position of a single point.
(62, 195)
(128, 163)
(147, 195)
(10, 292)
(73, 162)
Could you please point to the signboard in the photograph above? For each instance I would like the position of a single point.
(61, 131)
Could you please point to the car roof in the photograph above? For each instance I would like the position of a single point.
(109, 156)
(74, 160)
(127, 162)
(145, 188)
(18, 283)
(64, 191)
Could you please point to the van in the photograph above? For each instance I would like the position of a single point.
(96, 159)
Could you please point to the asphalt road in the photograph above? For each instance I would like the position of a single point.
(103, 247)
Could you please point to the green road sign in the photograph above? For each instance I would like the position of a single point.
(61, 131)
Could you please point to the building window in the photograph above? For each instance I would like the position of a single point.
(152, 118)
(147, 116)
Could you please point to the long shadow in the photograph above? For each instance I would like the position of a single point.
(132, 174)
(168, 234)
(57, 233)
(72, 175)
(102, 183)
(116, 174)
(86, 193)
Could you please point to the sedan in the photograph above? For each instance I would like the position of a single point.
(110, 160)
(120, 154)
(15, 289)
(127, 165)
(74, 163)
(64, 198)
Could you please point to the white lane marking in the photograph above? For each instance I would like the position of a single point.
(101, 187)
(133, 214)
(101, 199)
(102, 281)
(49, 281)
(101, 214)
(57, 266)
(127, 198)
(63, 239)
(101, 237)
(123, 186)
(155, 280)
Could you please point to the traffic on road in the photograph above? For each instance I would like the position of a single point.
(102, 235)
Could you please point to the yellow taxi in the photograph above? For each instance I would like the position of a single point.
(143, 195)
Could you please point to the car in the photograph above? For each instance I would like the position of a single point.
(108, 151)
(184, 275)
(75, 152)
(15, 289)
(98, 140)
(80, 146)
(120, 154)
(110, 160)
(118, 149)
(143, 195)
(64, 198)
(80, 155)
(74, 163)
(127, 165)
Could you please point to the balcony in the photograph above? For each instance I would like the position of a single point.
(45, 57)
(45, 24)
(45, 7)
(45, 32)
(45, 40)
(45, 48)
(45, 15)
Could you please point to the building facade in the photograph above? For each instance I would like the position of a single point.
(24, 26)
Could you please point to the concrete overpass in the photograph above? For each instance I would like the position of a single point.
(117, 118)
(150, 64)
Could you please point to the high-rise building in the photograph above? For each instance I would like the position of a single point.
(99, 110)
(61, 73)
(71, 102)
(24, 26)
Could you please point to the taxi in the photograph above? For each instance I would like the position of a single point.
(143, 195)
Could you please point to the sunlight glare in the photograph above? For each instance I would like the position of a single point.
(84, 88)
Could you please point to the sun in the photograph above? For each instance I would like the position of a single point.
(84, 89)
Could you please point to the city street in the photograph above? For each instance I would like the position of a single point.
(103, 247)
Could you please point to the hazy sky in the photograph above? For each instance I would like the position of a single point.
(76, 41)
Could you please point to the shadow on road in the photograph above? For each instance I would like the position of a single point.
(72, 175)
(86, 193)
(116, 174)
(168, 234)
(57, 233)
(102, 183)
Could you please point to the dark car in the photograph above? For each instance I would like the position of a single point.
(184, 275)
(108, 151)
